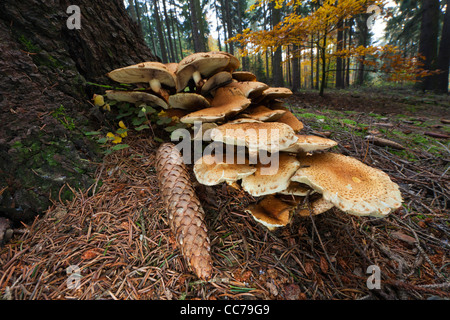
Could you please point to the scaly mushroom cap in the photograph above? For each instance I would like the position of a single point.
(350, 185)
(291, 120)
(318, 206)
(188, 101)
(218, 80)
(272, 177)
(244, 76)
(251, 89)
(145, 72)
(200, 65)
(226, 102)
(269, 136)
(271, 212)
(308, 143)
(262, 113)
(136, 97)
(211, 170)
(274, 93)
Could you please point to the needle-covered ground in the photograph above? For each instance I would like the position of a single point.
(117, 232)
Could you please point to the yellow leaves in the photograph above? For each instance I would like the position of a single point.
(114, 138)
(120, 133)
(98, 100)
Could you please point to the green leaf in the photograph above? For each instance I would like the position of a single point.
(103, 140)
(163, 120)
(158, 139)
(119, 147)
(144, 126)
(138, 121)
(121, 130)
(92, 133)
(122, 115)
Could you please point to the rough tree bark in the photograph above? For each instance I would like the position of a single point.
(44, 98)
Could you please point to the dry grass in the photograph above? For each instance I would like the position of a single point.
(117, 233)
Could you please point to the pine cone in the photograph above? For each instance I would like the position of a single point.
(186, 215)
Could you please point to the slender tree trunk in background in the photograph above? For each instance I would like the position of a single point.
(443, 60)
(138, 14)
(218, 26)
(312, 63)
(317, 62)
(229, 25)
(201, 27)
(324, 62)
(224, 24)
(44, 96)
(159, 30)
(363, 41)
(277, 68)
(150, 27)
(349, 44)
(428, 41)
(296, 79)
(194, 26)
(169, 32)
(339, 61)
(239, 27)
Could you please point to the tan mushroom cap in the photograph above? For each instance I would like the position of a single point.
(218, 80)
(172, 66)
(262, 113)
(226, 102)
(204, 131)
(269, 136)
(274, 93)
(233, 64)
(211, 170)
(272, 177)
(349, 184)
(308, 143)
(154, 73)
(200, 65)
(251, 89)
(291, 120)
(318, 206)
(136, 97)
(271, 212)
(188, 101)
(244, 76)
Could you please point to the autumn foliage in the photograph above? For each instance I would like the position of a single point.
(319, 28)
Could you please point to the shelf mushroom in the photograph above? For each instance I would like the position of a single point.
(136, 97)
(153, 73)
(227, 102)
(203, 65)
(211, 170)
(271, 212)
(349, 184)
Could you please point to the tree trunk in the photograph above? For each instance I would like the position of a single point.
(428, 40)
(324, 62)
(44, 95)
(339, 61)
(169, 33)
(159, 30)
(277, 68)
(363, 41)
(296, 79)
(229, 25)
(194, 27)
(443, 60)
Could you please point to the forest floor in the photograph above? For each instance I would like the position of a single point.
(117, 234)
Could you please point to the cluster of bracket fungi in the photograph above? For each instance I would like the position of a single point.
(234, 109)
